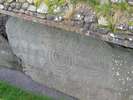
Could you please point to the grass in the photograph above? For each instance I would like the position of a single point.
(9, 92)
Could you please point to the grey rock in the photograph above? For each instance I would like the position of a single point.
(76, 65)
(22, 11)
(3, 20)
(50, 17)
(15, 10)
(7, 58)
(2, 1)
(27, 12)
(30, 1)
(25, 6)
(58, 18)
(102, 30)
(130, 2)
(78, 17)
(32, 8)
(117, 1)
(31, 13)
(6, 5)
(123, 27)
(18, 6)
(21, 1)
(86, 27)
(93, 27)
(13, 5)
(90, 18)
(130, 28)
(5, 8)
(79, 23)
(10, 9)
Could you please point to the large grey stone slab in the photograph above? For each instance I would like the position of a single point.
(79, 66)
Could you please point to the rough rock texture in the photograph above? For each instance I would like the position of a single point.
(3, 19)
(7, 58)
(19, 79)
(76, 65)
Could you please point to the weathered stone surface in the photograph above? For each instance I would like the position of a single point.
(79, 66)
(32, 8)
(25, 6)
(7, 58)
(21, 80)
(3, 19)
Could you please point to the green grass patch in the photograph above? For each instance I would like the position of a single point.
(9, 92)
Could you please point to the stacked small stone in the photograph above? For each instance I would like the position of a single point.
(82, 18)
(21, 6)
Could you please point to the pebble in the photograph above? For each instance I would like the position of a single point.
(22, 11)
(32, 8)
(50, 17)
(78, 17)
(2, 1)
(25, 5)
(10, 9)
(18, 6)
(13, 5)
(6, 5)
(130, 28)
(1, 6)
(123, 27)
(90, 19)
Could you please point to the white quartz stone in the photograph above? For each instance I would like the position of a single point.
(43, 8)
(102, 21)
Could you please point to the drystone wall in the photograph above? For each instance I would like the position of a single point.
(83, 15)
(111, 20)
